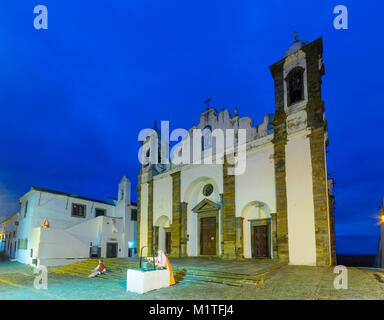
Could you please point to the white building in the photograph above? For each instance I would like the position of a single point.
(278, 208)
(57, 228)
(8, 229)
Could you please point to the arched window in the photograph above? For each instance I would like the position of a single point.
(295, 86)
(206, 139)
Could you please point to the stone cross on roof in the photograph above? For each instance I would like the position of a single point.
(207, 102)
(295, 36)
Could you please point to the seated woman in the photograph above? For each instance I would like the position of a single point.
(162, 261)
(98, 270)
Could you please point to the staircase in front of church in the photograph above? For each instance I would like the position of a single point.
(117, 271)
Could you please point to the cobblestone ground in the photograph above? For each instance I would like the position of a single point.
(246, 280)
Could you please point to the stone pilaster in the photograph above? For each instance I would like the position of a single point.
(150, 214)
(155, 238)
(239, 237)
(318, 140)
(183, 227)
(138, 219)
(279, 141)
(274, 234)
(176, 225)
(229, 212)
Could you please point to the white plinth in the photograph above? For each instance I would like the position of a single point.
(142, 282)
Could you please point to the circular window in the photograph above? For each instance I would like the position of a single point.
(207, 190)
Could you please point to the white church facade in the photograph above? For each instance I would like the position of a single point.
(278, 208)
(56, 228)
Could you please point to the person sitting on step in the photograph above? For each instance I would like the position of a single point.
(98, 270)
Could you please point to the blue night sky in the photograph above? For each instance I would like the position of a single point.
(74, 97)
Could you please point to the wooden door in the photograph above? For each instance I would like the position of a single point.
(168, 242)
(111, 250)
(259, 241)
(208, 236)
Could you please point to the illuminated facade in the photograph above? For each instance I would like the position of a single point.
(279, 208)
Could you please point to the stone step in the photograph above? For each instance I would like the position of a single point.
(117, 270)
(222, 280)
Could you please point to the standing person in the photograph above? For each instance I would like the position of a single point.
(98, 270)
(162, 261)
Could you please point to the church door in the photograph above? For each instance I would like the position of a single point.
(259, 241)
(208, 236)
(111, 250)
(168, 242)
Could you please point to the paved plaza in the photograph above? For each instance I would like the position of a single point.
(197, 278)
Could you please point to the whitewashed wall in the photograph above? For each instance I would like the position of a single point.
(58, 208)
(162, 198)
(301, 220)
(254, 189)
(24, 230)
(258, 181)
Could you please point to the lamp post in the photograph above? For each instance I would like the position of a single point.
(380, 253)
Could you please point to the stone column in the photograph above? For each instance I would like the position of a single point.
(183, 227)
(150, 213)
(176, 226)
(318, 140)
(239, 237)
(279, 141)
(155, 238)
(229, 221)
(281, 201)
(138, 219)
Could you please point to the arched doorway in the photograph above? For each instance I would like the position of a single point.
(257, 229)
(162, 234)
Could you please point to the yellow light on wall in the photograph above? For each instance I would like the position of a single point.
(382, 218)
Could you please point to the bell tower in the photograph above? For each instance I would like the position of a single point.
(300, 139)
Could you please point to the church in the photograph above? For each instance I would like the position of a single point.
(279, 208)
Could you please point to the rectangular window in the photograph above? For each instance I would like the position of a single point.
(100, 212)
(24, 244)
(134, 215)
(78, 210)
(25, 208)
